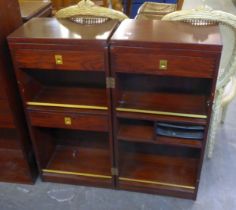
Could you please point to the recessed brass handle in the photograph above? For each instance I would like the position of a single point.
(67, 121)
(163, 64)
(58, 59)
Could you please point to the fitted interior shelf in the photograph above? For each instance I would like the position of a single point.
(159, 166)
(75, 153)
(67, 89)
(72, 160)
(173, 104)
(162, 95)
(162, 171)
(83, 98)
(133, 130)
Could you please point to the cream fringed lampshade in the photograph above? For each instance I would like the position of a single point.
(86, 12)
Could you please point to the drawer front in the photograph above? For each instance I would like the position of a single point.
(69, 120)
(6, 117)
(162, 63)
(64, 60)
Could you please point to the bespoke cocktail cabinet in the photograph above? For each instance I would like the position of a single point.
(62, 69)
(123, 106)
(165, 75)
(16, 155)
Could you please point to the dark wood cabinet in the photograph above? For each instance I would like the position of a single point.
(123, 106)
(16, 156)
(62, 68)
(165, 75)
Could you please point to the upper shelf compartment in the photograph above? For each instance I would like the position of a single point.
(162, 95)
(183, 105)
(66, 89)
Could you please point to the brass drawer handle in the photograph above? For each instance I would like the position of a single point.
(67, 121)
(58, 59)
(163, 64)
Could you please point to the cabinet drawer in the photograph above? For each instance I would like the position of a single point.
(162, 63)
(6, 118)
(65, 60)
(69, 120)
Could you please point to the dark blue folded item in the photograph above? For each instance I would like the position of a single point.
(180, 131)
(182, 126)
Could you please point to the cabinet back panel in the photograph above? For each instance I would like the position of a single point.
(164, 84)
(67, 78)
(160, 150)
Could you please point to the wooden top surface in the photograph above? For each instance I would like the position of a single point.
(29, 8)
(155, 32)
(51, 30)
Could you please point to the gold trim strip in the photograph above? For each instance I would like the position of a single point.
(157, 183)
(66, 105)
(161, 113)
(77, 174)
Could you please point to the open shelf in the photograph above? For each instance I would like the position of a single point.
(162, 95)
(131, 130)
(74, 153)
(67, 97)
(144, 131)
(72, 160)
(172, 104)
(66, 89)
(162, 171)
(159, 166)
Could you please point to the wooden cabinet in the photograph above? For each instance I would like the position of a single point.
(16, 156)
(61, 69)
(125, 107)
(165, 75)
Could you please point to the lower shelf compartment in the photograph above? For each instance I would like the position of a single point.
(158, 166)
(71, 160)
(159, 171)
(73, 156)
